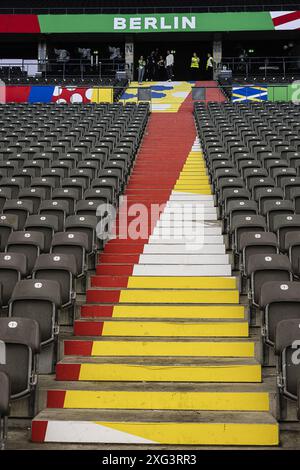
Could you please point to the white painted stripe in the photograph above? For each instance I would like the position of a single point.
(88, 432)
(189, 222)
(181, 270)
(186, 230)
(187, 204)
(211, 240)
(183, 259)
(289, 25)
(205, 217)
(180, 195)
(188, 209)
(177, 249)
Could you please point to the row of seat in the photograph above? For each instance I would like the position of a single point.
(252, 153)
(49, 225)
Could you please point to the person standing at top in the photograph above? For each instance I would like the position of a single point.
(210, 67)
(151, 67)
(195, 63)
(170, 65)
(141, 69)
(161, 71)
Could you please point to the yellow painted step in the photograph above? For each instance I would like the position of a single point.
(172, 348)
(242, 401)
(193, 191)
(202, 433)
(196, 186)
(228, 372)
(179, 296)
(192, 180)
(182, 282)
(211, 428)
(170, 329)
(177, 311)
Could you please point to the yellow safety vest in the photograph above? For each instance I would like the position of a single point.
(195, 63)
(209, 63)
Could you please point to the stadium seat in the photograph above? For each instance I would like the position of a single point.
(4, 407)
(38, 300)
(287, 340)
(22, 344)
(60, 268)
(73, 243)
(279, 301)
(13, 267)
(46, 224)
(262, 269)
(28, 243)
(22, 209)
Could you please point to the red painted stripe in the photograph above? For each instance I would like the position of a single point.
(38, 430)
(109, 281)
(87, 328)
(19, 24)
(124, 248)
(17, 94)
(56, 398)
(103, 296)
(117, 241)
(67, 371)
(120, 269)
(78, 348)
(91, 311)
(295, 15)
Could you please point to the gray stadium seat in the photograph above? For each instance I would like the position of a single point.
(31, 244)
(267, 268)
(61, 268)
(38, 300)
(13, 267)
(22, 341)
(73, 243)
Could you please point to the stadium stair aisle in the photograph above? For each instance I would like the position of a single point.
(161, 352)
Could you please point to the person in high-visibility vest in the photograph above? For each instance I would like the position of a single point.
(195, 64)
(209, 67)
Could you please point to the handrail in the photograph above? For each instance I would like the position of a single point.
(149, 9)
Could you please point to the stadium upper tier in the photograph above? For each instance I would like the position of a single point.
(134, 6)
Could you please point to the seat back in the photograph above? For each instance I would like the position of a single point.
(267, 268)
(60, 268)
(37, 300)
(22, 341)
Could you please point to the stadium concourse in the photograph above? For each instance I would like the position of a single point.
(161, 352)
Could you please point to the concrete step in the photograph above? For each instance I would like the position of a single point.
(145, 427)
(159, 369)
(182, 249)
(163, 296)
(207, 257)
(202, 328)
(164, 282)
(162, 348)
(167, 312)
(83, 398)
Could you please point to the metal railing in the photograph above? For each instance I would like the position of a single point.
(150, 9)
(270, 92)
(262, 66)
(51, 68)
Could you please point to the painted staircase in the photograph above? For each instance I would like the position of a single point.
(161, 353)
